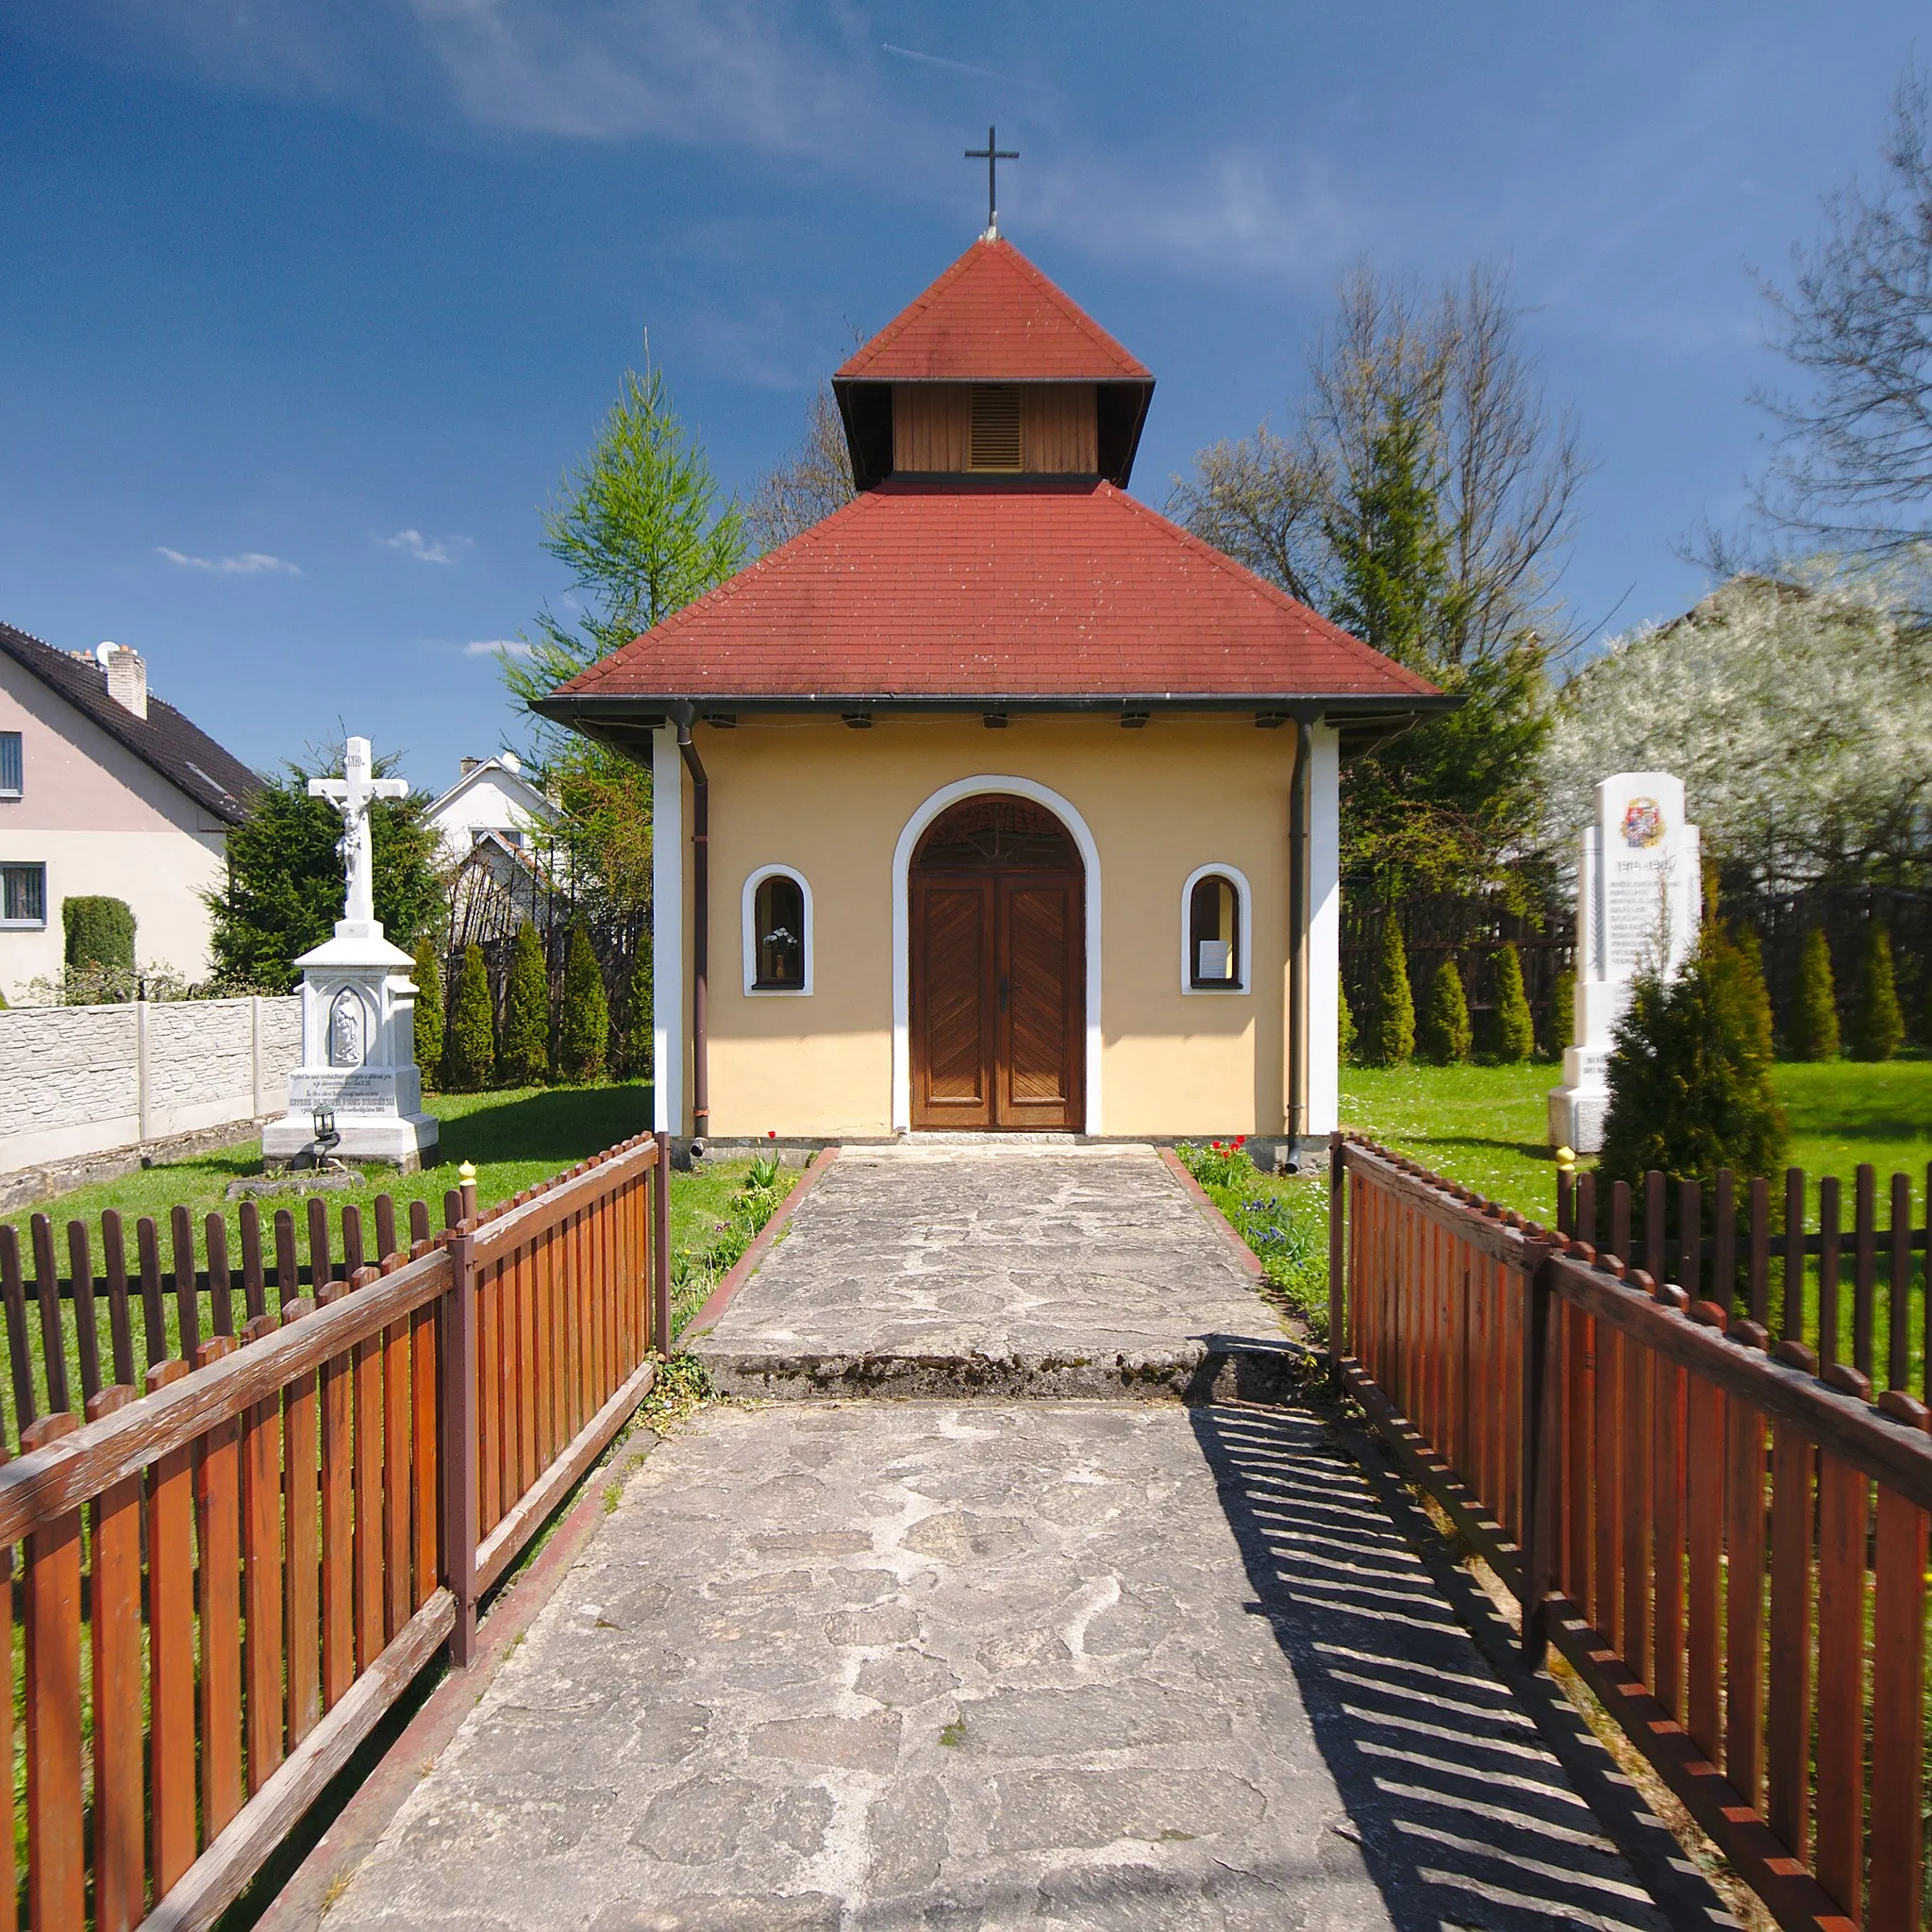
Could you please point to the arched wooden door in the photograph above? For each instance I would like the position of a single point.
(998, 925)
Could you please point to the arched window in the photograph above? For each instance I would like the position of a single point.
(1214, 931)
(777, 931)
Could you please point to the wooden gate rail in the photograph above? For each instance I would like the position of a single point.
(261, 1545)
(1730, 1550)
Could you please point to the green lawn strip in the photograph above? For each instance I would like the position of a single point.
(1484, 1126)
(717, 1211)
(1283, 1218)
(516, 1138)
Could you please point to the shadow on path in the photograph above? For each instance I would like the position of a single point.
(1476, 1802)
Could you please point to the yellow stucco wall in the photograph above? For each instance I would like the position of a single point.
(1160, 802)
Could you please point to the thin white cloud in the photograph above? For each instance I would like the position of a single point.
(499, 648)
(249, 563)
(961, 67)
(426, 549)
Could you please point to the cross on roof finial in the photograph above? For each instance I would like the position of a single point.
(992, 154)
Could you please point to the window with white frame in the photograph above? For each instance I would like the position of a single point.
(9, 764)
(23, 895)
(1215, 940)
(777, 931)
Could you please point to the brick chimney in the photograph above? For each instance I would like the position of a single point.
(126, 678)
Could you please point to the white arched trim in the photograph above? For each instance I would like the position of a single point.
(1244, 929)
(749, 916)
(902, 930)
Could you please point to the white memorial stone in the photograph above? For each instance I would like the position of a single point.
(358, 1011)
(1639, 905)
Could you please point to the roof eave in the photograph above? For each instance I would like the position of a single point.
(586, 710)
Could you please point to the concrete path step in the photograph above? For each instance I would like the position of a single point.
(999, 1270)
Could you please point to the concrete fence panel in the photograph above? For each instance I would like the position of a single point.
(82, 1081)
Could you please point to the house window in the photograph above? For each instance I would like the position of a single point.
(1214, 931)
(23, 895)
(777, 931)
(9, 764)
(996, 441)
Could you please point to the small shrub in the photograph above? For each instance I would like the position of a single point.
(469, 1047)
(1515, 1025)
(1344, 1026)
(428, 973)
(1562, 1020)
(1690, 1079)
(583, 1026)
(1446, 1037)
(1813, 1031)
(522, 1053)
(99, 932)
(1392, 1012)
(1878, 1027)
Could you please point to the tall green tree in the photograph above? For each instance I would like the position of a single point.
(1878, 1026)
(522, 1050)
(469, 1047)
(1813, 1032)
(583, 1021)
(642, 528)
(284, 889)
(1515, 1025)
(633, 1058)
(427, 975)
(1389, 1039)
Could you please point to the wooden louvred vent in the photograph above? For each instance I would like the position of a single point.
(996, 441)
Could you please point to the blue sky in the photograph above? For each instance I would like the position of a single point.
(304, 309)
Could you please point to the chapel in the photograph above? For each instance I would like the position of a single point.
(996, 802)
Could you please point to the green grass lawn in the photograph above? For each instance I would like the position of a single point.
(515, 1138)
(1485, 1126)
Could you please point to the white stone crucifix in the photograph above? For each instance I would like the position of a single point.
(351, 795)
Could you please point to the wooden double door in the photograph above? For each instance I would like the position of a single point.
(998, 965)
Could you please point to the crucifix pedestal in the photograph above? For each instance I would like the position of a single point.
(358, 1011)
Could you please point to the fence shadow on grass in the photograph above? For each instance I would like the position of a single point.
(1463, 1813)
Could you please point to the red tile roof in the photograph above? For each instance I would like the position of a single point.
(950, 591)
(994, 317)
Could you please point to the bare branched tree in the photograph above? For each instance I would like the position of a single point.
(1854, 468)
(808, 485)
(1506, 469)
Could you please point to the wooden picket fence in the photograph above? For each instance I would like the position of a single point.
(218, 1578)
(1725, 1537)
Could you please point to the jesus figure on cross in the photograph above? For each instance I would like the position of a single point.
(351, 794)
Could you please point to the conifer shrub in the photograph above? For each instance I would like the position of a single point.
(1445, 1032)
(583, 1026)
(1690, 1076)
(1344, 1026)
(1750, 966)
(1878, 1027)
(98, 932)
(1812, 1034)
(522, 1053)
(1514, 1029)
(1392, 1008)
(633, 1050)
(428, 973)
(1561, 1024)
(469, 1046)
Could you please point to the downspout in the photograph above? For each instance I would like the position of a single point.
(700, 931)
(1299, 801)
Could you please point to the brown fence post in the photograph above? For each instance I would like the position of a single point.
(661, 1245)
(1338, 1254)
(457, 1450)
(1539, 1452)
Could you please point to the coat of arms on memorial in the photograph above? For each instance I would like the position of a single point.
(1644, 824)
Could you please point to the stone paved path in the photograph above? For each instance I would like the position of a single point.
(1022, 1270)
(981, 1664)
